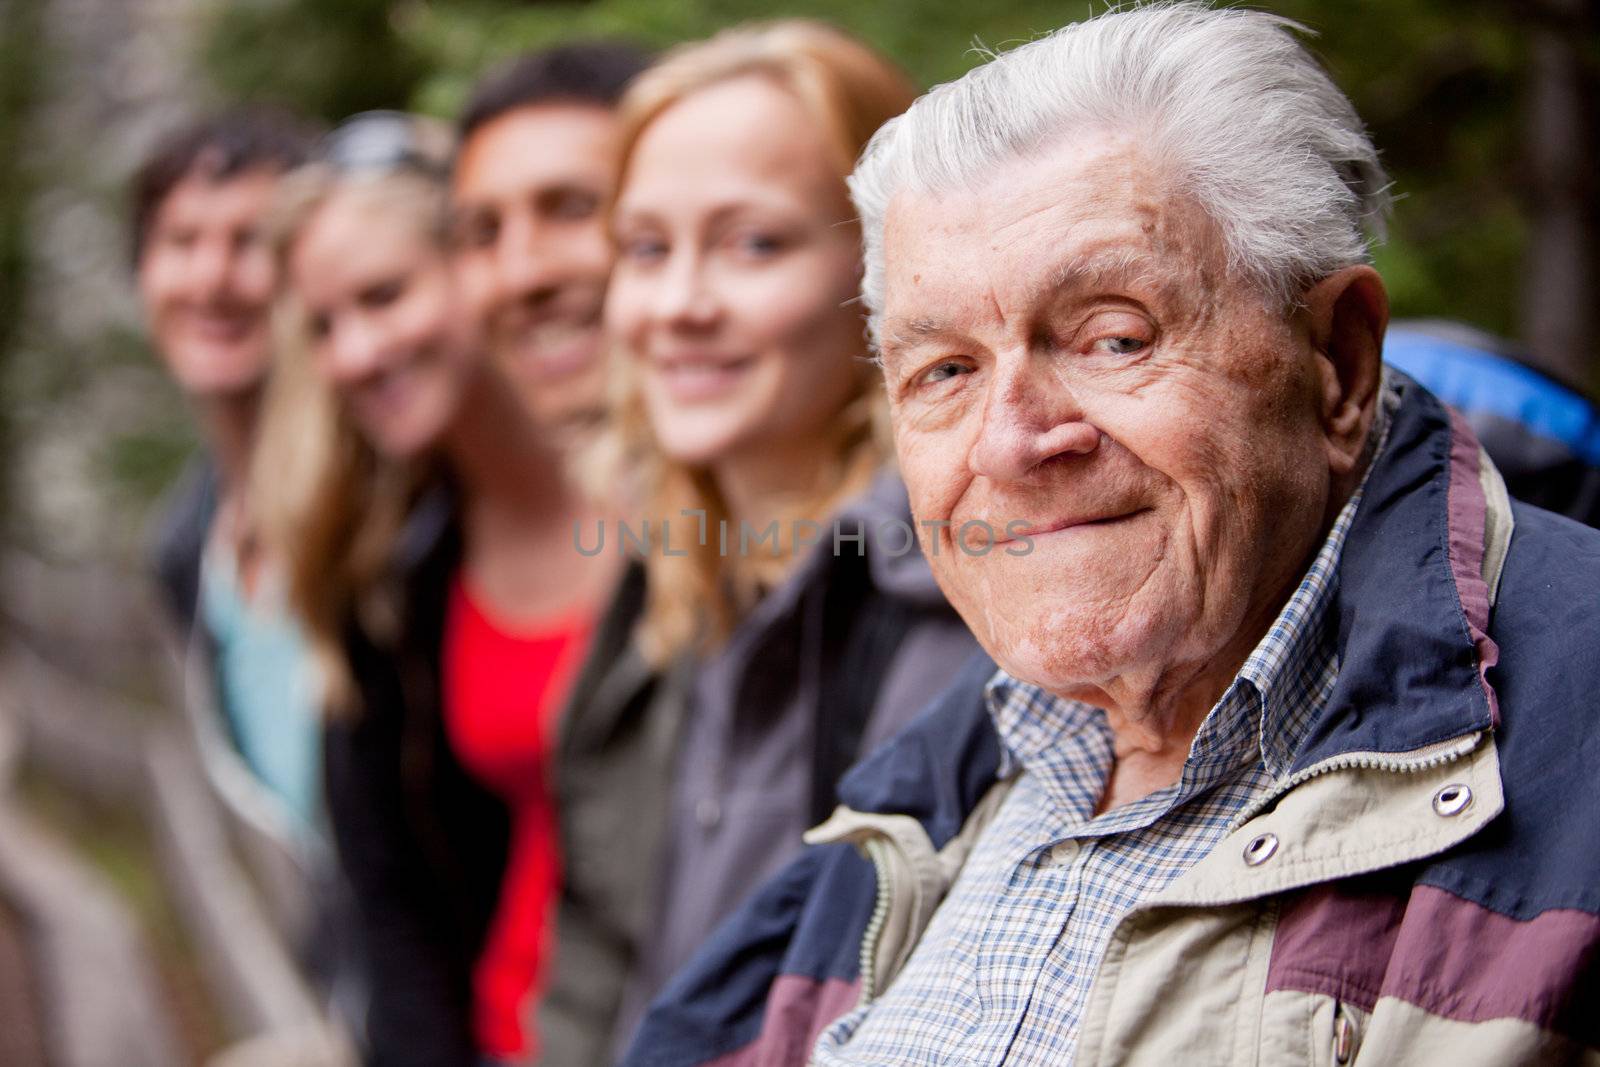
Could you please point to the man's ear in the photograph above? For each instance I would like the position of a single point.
(1347, 313)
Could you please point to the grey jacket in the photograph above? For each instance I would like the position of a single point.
(679, 793)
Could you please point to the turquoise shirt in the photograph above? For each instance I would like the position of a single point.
(266, 684)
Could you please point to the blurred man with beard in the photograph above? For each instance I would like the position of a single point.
(532, 176)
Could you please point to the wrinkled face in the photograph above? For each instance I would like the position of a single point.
(385, 321)
(1068, 355)
(736, 270)
(206, 281)
(529, 190)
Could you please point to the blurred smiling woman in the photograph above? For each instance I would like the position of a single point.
(427, 520)
(745, 395)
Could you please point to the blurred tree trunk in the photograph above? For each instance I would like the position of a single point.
(1562, 272)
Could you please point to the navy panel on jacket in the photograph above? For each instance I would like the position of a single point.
(1544, 851)
(1408, 668)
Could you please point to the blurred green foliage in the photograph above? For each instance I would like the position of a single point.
(21, 22)
(323, 57)
(1439, 82)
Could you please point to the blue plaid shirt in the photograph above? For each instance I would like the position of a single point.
(1004, 969)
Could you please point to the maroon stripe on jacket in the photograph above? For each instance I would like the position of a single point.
(798, 1010)
(1468, 507)
(1448, 956)
(1336, 939)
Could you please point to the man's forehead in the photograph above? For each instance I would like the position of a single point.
(933, 291)
(1082, 214)
(205, 191)
(537, 145)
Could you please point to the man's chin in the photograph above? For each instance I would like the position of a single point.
(539, 363)
(210, 385)
(1070, 647)
(557, 401)
(1064, 671)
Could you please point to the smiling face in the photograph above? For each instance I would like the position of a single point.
(384, 320)
(529, 189)
(733, 291)
(206, 280)
(1066, 350)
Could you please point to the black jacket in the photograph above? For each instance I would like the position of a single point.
(423, 845)
(180, 536)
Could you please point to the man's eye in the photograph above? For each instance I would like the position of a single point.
(1121, 346)
(941, 372)
(478, 231)
(573, 206)
(383, 294)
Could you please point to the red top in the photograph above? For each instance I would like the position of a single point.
(503, 689)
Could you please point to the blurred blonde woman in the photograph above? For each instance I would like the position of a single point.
(427, 519)
(780, 619)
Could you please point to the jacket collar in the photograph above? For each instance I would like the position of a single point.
(1413, 600)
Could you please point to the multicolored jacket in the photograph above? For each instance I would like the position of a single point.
(1424, 888)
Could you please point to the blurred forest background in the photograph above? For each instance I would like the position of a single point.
(1485, 111)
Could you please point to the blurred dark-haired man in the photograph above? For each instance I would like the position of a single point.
(532, 175)
(205, 281)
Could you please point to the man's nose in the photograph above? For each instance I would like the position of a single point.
(211, 270)
(527, 269)
(1028, 418)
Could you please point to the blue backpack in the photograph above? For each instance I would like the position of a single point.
(1543, 435)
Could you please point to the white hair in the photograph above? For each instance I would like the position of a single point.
(1228, 101)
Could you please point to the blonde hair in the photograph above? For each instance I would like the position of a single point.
(323, 499)
(694, 600)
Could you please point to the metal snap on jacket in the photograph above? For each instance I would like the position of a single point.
(1453, 799)
(1260, 849)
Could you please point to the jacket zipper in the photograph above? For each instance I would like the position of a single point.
(1367, 761)
(875, 847)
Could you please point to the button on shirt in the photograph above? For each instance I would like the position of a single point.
(1004, 970)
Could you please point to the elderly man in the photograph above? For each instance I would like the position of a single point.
(1287, 756)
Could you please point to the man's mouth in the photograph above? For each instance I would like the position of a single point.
(557, 348)
(1020, 529)
(222, 327)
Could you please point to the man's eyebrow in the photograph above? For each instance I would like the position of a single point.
(1109, 267)
(901, 334)
(1100, 267)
